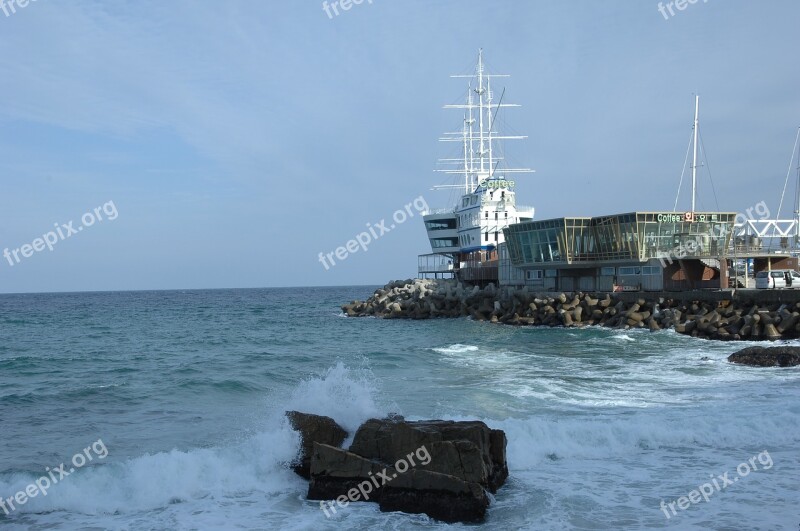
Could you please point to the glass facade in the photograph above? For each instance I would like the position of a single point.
(636, 237)
(440, 243)
(698, 234)
(617, 237)
(580, 241)
(539, 242)
(441, 224)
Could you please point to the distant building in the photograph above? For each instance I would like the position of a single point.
(650, 251)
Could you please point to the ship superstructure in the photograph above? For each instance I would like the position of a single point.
(464, 238)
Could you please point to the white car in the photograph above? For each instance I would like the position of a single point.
(778, 278)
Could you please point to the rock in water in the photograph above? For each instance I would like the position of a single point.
(340, 475)
(313, 428)
(436, 467)
(468, 450)
(767, 356)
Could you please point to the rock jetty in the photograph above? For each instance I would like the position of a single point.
(440, 468)
(742, 318)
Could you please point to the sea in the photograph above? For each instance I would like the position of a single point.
(166, 410)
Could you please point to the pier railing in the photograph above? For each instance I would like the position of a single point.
(438, 265)
(430, 211)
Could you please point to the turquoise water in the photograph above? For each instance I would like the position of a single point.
(186, 390)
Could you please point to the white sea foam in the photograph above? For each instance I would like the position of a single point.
(347, 395)
(152, 481)
(565, 462)
(458, 348)
(207, 483)
(535, 440)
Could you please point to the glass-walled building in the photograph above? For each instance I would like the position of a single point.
(637, 250)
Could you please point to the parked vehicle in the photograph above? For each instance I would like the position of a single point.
(778, 278)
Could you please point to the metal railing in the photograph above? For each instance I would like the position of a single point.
(430, 211)
(434, 263)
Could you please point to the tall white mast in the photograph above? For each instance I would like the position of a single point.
(797, 187)
(466, 161)
(473, 170)
(489, 118)
(471, 124)
(480, 107)
(694, 162)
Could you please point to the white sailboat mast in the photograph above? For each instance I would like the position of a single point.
(474, 171)
(466, 163)
(489, 118)
(480, 109)
(471, 124)
(694, 160)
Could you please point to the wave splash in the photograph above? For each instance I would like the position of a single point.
(254, 467)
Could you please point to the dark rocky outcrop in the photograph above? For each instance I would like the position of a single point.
(468, 450)
(313, 429)
(337, 473)
(717, 315)
(440, 468)
(767, 356)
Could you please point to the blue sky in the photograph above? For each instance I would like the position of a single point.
(239, 139)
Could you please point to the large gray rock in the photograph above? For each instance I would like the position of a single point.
(468, 450)
(313, 428)
(439, 468)
(767, 356)
(339, 474)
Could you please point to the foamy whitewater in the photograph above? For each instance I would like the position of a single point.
(187, 391)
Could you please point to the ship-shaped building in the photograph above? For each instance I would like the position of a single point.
(487, 237)
(465, 238)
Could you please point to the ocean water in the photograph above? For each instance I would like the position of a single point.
(186, 391)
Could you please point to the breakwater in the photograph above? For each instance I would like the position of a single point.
(721, 315)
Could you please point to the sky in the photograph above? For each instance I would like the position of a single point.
(180, 145)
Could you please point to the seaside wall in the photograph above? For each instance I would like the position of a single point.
(722, 314)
